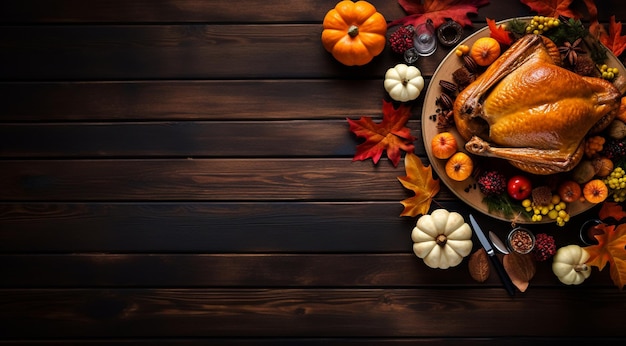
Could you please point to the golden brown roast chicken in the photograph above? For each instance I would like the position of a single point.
(527, 109)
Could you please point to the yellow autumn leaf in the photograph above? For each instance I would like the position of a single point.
(418, 179)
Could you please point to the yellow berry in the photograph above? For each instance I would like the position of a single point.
(553, 214)
(555, 199)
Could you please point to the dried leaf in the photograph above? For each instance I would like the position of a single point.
(499, 33)
(479, 265)
(521, 269)
(611, 210)
(551, 8)
(614, 41)
(611, 249)
(439, 11)
(390, 134)
(419, 179)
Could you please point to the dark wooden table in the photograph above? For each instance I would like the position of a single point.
(180, 172)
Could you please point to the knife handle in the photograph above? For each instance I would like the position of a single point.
(504, 277)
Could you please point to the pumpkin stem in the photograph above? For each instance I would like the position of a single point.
(581, 268)
(441, 240)
(353, 30)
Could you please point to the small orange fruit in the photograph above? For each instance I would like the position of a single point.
(459, 167)
(595, 191)
(443, 145)
(485, 51)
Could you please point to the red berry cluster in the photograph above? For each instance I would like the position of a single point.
(402, 39)
(544, 247)
(492, 183)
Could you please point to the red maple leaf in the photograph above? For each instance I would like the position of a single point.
(552, 8)
(610, 250)
(438, 11)
(614, 41)
(390, 134)
(499, 33)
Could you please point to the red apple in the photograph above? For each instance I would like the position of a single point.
(519, 187)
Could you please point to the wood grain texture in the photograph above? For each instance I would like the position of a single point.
(119, 313)
(193, 51)
(227, 227)
(246, 179)
(227, 270)
(180, 173)
(326, 341)
(256, 11)
(191, 100)
(330, 139)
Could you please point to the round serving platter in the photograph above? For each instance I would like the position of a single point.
(467, 190)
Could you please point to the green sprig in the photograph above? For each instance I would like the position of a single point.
(505, 206)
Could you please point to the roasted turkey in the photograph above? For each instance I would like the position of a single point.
(527, 109)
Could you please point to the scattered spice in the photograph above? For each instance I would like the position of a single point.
(521, 241)
(571, 50)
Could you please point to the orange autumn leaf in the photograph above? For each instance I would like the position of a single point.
(389, 135)
(614, 40)
(611, 249)
(611, 210)
(438, 11)
(419, 179)
(551, 8)
(499, 33)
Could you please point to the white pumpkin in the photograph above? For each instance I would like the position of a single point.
(569, 265)
(442, 239)
(404, 83)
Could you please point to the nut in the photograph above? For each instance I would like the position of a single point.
(470, 64)
(447, 87)
(445, 101)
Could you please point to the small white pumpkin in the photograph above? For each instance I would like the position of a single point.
(569, 265)
(404, 83)
(442, 239)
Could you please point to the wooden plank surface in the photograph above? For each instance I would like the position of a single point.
(167, 270)
(79, 313)
(180, 173)
(191, 100)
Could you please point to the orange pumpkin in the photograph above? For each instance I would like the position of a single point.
(485, 51)
(354, 32)
(459, 167)
(595, 191)
(443, 145)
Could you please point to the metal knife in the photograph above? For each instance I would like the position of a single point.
(497, 243)
(504, 277)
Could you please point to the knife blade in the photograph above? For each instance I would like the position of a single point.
(498, 243)
(504, 277)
